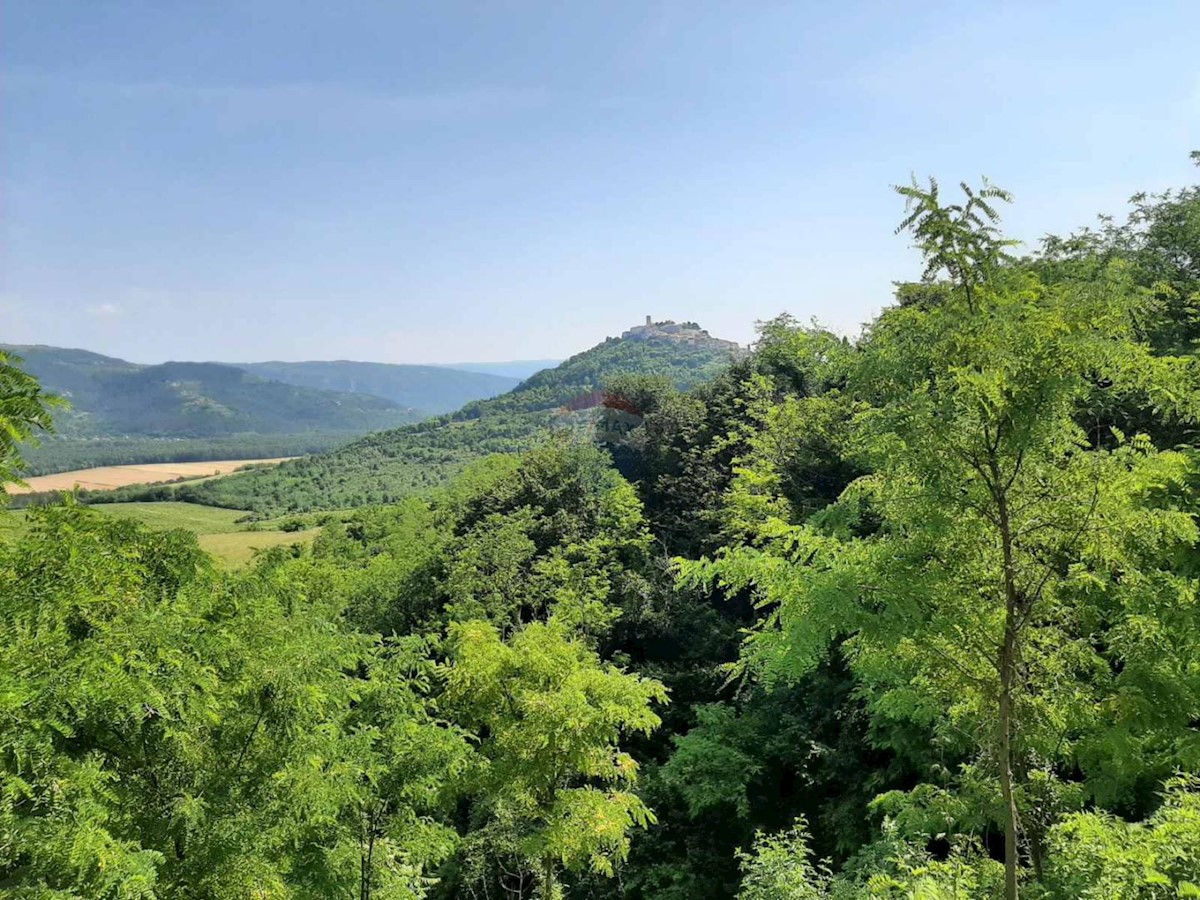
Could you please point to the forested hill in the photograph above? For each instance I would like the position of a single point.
(110, 396)
(383, 467)
(123, 412)
(684, 364)
(431, 389)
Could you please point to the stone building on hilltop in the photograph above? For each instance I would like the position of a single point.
(680, 333)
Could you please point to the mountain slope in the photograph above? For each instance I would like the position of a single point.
(382, 467)
(431, 389)
(123, 412)
(182, 399)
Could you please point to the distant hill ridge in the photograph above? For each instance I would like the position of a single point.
(516, 368)
(388, 465)
(430, 389)
(123, 412)
(111, 396)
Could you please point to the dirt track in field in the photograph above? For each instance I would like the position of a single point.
(107, 478)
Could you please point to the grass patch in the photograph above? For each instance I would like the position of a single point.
(172, 514)
(12, 523)
(237, 549)
(218, 530)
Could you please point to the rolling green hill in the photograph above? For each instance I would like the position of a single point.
(431, 389)
(125, 412)
(383, 467)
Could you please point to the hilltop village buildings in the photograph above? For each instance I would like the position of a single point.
(676, 332)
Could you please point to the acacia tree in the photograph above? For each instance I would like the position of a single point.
(24, 410)
(961, 239)
(998, 576)
(1160, 238)
(554, 787)
(167, 730)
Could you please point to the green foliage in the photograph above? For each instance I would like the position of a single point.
(25, 409)
(988, 576)
(513, 540)
(682, 365)
(708, 767)
(936, 635)
(1096, 854)
(960, 239)
(168, 729)
(780, 867)
(555, 787)
(914, 875)
(1160, 241)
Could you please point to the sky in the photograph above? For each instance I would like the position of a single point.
(437, 181)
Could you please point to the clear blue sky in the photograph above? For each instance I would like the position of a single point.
(435, 181)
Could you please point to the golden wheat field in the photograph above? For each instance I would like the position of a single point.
(107, 478)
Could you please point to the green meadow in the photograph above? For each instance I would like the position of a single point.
(220, 531)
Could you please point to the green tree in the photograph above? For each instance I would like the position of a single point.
(166, 730)
(780, 867)
(1097, 855)
(554, 790)
(1160, 239)
(999, 543)
(961, 239)
(25, 409)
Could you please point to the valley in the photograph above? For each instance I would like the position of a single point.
(430, 390)
(386, 466)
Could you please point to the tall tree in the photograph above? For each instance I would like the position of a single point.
(988, 575)
(1160, 240)
(554, 790)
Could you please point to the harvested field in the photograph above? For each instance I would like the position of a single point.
(107, 478)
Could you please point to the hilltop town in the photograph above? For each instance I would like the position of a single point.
(678, 333)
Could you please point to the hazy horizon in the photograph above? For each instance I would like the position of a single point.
(423, 184)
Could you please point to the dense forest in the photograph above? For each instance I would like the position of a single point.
(912, 615)
(383, 467)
